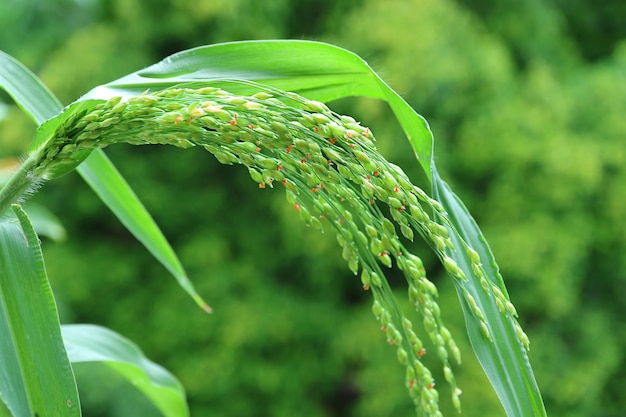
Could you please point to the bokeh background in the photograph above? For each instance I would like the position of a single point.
(527, 101)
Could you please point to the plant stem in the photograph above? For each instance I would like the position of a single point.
(18, 184)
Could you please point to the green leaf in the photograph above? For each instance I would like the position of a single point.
(36, 377)
(29, 93)
(504, 360)
(45, 222)
(89, 343)
(99, 172)
(110, 186)
(324, 72)
(316, 70)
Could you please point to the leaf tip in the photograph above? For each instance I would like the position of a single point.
(203, 305)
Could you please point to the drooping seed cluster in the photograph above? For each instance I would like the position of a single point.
(333, 176)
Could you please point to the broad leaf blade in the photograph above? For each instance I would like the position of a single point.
(324, 70)
(89, 343)
(316, 70)
(38, 102)
(36, 379)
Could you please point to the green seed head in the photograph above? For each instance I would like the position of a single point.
(332, 174)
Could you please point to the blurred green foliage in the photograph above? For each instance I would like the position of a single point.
(526, 100)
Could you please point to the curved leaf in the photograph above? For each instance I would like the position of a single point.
(111, 187)
(89, 343)
(41, 105)
(316, 70)
(36, 377)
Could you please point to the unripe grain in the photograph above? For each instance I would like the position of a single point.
(331, 172)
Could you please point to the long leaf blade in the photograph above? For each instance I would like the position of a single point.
(36, 379)
(29, 93)
(89, 343)
(504, 359)
(323, 69)
(99, 172)
(110, 186)
(316, 70)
